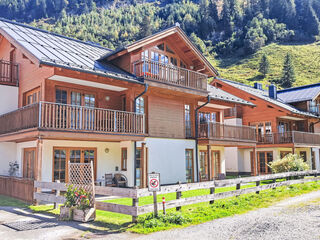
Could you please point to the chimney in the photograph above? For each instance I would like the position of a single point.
(273, 91)
(258, 86)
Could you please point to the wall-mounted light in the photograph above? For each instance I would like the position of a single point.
(106, 150)
(107, 98)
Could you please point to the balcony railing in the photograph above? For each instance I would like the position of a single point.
(169, 74)
(218, 131)
(315, 109)
(9, 73)
(53, 116)
(235, 112)
(290, 137)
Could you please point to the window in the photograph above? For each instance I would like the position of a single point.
(189, 165)
(140, 105)
(75, 97)
(29, 161)
(262, 128)
(61, 157)
(264, 158)
(61, 96)
(216, 163)
(187, 117)
(303, 155)
(284, 153)
(160, 47)
(124, 159)
(138, 166)
(89, 100)
(283, 127)
(203, 165)
(32, 97)
(313, 160)
(123, 103)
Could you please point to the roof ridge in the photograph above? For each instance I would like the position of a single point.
(52, 33)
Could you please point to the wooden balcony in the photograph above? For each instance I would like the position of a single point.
(235, 112)
(295, 137)
(315, 109)
(169, 74)
(223, 132)
(53, 116)
(9, 73)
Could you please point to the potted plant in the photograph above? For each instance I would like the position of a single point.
(66, 211)
(83, 212)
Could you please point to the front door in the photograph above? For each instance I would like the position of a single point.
(215, 163)
(62, 156)
(29, 161)
(204, 176)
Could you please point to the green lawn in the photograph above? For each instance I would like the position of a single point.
(245, 69)
(192, 214)
(11, 202)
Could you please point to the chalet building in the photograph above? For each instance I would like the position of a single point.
(286, 121)
(142, 108)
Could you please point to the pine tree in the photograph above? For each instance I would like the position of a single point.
(264, 65)
(145, 27)
(288, 74)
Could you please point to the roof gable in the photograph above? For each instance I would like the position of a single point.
(178, 37)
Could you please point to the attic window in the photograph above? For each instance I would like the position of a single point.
(252, 99)
(218, 85)
(269, 106)
(160, 47)
(169, 49)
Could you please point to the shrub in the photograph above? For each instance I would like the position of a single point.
(150, 221)
(290, 163)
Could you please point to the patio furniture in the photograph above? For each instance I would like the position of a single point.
(120, 180)
(108, 178)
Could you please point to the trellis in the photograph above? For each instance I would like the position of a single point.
(81, 176)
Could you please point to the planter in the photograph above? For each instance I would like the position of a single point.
(86, 215)
(66, 213)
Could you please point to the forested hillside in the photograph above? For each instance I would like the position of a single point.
(220, 28)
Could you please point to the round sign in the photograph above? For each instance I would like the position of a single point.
(154, 183)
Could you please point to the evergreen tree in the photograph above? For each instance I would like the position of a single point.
(288, 73)
(145, 27)
(264, 65)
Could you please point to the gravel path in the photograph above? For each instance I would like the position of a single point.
(294, 218)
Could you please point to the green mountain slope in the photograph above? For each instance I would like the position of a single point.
(306, 58)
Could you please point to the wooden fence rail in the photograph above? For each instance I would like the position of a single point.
(19, 188)
(135, 210)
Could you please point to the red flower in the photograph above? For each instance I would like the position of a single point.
(76, 194)
(82, 196)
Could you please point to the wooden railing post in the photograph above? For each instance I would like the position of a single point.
(257, 184)
(135, 203)
(212, 190)
(238, 186)
(178, 196)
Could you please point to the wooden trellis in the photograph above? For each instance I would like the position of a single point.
(81, 176)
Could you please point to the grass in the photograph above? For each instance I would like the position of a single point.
(11, 202)
(245, 69)
(192, 214)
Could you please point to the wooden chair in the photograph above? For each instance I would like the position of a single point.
(108, 178)
(120, 180)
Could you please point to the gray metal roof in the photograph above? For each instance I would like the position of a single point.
(300, 94)
(265, 96)
(57, 50)
(219, 94)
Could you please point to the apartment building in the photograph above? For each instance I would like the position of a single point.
(286, 121)
(142, 108)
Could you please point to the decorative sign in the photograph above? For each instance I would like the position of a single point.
(154, 182)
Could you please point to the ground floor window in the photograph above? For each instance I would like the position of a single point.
(203, 165)
(189, 165)
(284, 153)
(216, 163)
(29, 161)
(303, 155)
(61, 157)
(264, 159)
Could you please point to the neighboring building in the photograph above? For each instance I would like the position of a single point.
(130, 111)
(285, 121)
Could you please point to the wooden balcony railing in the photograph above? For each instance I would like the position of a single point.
(53, 116)
(9, 73)
(290, 137)
(169, 74)
(235, 112)
(218, 131)
(315, 109)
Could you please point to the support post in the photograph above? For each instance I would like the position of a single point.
(254, 162)
(274, 181)
(155, 204)
(135, 203)
(178, 196)
(257, 184)
(56, 205)
(209, 163)
(212, 190)
(238, 186)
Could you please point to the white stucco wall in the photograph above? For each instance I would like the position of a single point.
(8, 154)
(233, 121)
(317, 157)
(231, 156)
(167, 156)
(8, 92)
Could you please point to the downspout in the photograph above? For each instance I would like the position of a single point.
(196, 133)
(135, 142)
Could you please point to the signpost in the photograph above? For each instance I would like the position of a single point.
(154, 186)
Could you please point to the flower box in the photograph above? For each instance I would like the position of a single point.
(86, 215)
(66, 213)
